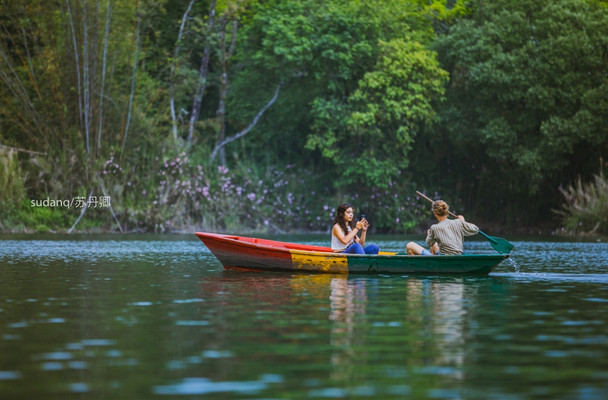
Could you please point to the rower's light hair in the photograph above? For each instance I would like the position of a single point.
(440, 208)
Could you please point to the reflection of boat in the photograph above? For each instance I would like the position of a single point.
(240, 252)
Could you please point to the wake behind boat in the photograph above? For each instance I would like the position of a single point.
(241, 252)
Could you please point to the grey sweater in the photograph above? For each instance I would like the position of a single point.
(449, 235)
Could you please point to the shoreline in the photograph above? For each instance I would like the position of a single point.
(543, 231)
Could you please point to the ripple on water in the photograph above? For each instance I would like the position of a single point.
(186, 301)
(79, 387)
(596, 300)
(192, 323)
(179, 288)
(555, 277)
(201, 386)
(9, 375)
(43, 252)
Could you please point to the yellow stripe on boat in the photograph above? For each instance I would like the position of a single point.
(318, 262)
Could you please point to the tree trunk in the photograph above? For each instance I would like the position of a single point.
(77, 58)
(134, 74)
(202, 75)
(103, 78)
(221, 110)
(85, 74)
(172, 73)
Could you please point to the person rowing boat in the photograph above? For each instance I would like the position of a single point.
(446, 237)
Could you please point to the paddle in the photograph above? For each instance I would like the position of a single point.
(499, 244)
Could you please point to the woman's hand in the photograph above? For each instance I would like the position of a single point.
(360, 225)
(365, 224)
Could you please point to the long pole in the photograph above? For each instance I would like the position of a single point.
(499, 244)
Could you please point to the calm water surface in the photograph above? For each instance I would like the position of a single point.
(131, 317)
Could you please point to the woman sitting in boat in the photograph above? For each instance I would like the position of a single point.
(445, 237)
(344, 237)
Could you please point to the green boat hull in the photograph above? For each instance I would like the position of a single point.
(433, 265)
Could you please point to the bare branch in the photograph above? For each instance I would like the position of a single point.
(251, 125)
(16, 86)
(29, 63)
(21, 150)
(84, 209)
(103, 190)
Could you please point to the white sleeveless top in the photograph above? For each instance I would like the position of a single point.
(336, 244)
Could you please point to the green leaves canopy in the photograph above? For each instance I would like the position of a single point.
(369, 135)
(530, 84)
(359, 81)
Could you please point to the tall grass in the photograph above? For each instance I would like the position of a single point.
(11, 186)
(11, 180)
(585, 209)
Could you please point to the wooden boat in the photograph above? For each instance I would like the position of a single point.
(247, 253)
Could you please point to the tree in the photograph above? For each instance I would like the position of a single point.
(340, 61)
(55, 76)
(197, 100)
(375, 128)
(62, 74)
(527, 103)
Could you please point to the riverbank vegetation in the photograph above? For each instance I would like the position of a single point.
(248, 115)
(586, 207)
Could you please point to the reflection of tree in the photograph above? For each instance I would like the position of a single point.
(268, 322)
(401, 333)
(233, 295)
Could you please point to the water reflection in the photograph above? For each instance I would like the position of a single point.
(145, 320)
(430, 325)
(348, 300)
(448, 324)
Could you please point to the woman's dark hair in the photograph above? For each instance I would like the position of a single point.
(340, 217)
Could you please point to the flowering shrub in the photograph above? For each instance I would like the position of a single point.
(111, 167)
(221, 199)
(186, 195)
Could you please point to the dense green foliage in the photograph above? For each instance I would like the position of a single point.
(492, 105)
(528, 100)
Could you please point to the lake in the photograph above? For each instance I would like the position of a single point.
(157, 317)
